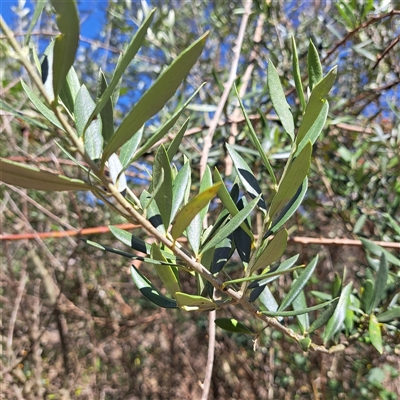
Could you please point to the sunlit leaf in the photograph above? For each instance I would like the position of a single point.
(179, 187)
(152, 212)
(150, 291)
(278, 100)
(380, 282)
(107, 113)
(297, 76)
(300, 303)
(378, 250)
(297, 312)
(130, 147)
(375, 334)
(190, 302)
(70, 90)
(28, 177)
(174, 146)
(299, 284)
(232, 325)
(314, 66)
(116, 173)
(156, 97)
(40, 4)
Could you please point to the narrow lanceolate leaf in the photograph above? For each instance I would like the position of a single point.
(70, 90)
(45, 111)
(289, 209)
(66, 43)
(299, 284)
(232, 325)
(130, 147)
(193, 233)
(314, 66)
(107, 113)
(278, 99)
(222, 254)
(247, 178)
(167, 274)
(179, 187)
(227, 201)
(323, 318)
(273, 251)
(174, 146)
(300, 303)
(92, 137)
(232, 225)
(40, 4)
(378, 250)
(149, 291)
(123, 63)
(152, 212)
(375, 334)
(267, 300)
(380, 282)
(335, 323)
(190, 302)
(161, 132)
(21, 175)
(254, 139)
(191, 209)
(206, 183)
(315, 130)
(316, 102)
(366, 297)
(297, 312)
(164, 195)
(116, 173)
(297, 76)
(290, 183)
(46, 68)
(389, 315)
(156, 97)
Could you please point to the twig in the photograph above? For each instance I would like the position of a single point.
(380, 56)
(210, 355)
(228, 86)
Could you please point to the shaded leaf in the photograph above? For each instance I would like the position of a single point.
(128, 239)
(380, 283)
(222, 253)
(232, 325)
(150, 291)
(40, 4)
(297, 76)
(156, 97)
(278, 100)
(378, 250)
(21, 175)
(66, 43)
(335, 323)
(291, 181)
(280, 313)
(300, 303)
(389, 315)
(107, 113)
(299, 284)
(323, 318)
(366, 297)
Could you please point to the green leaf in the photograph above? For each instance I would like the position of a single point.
(297, 76)
(299, 284)
(291, 181)
(366, 297)
(278, 100)
(70, 90)
(222, 253)
(254, 139)
(300, 303)
(191, 209)
(380, 283)
(232, 325)
(46, 112)
(389, 315)
(267, 300)
(47, 70)
(323, 318)
(161, 132)
(289, 209)
(315, 130)
(280, 313)
(378, 250)
(40, 4)
(107, 113)
(205, 183)
(156, 97)
(92, 137)
(375, 334)
(273, 251)
(66, 43)
(21, 175)
(193, 233)
(316, 102)
(314, 66)
(123, 63)
(129, 148)
(233, 224)
(179, 187)
(167, 274)
(164, 195)
(153, 213)
(174, 146)
(227, 201)
(247, 178)
(190, 302)
(335, 323)
(150, 291)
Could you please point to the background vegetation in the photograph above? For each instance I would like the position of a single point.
(74, 325)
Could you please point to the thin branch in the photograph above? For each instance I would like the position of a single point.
(228, 86)
(388, 48)
(210, 355)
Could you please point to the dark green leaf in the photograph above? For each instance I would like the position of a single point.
(323, 318)
(174, 146)
(278, 100)
(222, 253)
(66, 43)
(292, 180)
(366, 297)
(297, 76)
(297, 312)
(389, 315)
(28, 177)
(299, 284)
(149, 291)
(205, 183)
(232, 325)
(107, 113)
(380, 283)
(156, 97)
(314, 66)
(378, 250)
